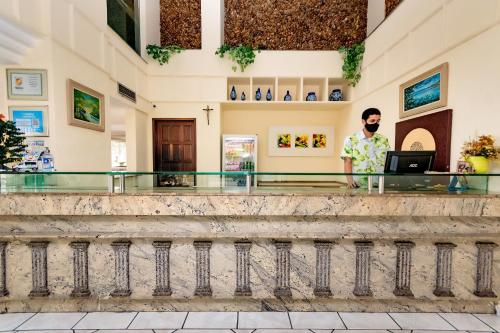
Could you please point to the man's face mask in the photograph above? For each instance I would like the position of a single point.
(372, 127)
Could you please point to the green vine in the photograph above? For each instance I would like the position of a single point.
(243, 55)
(353, 56)
(163, 53)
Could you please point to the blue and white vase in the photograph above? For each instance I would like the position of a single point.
(311, 97)
(335, 96)
(243, 96)
(258, 95)
(269, 96)
(287, 97)
(233, 94)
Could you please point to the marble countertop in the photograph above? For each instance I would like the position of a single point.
(256, 204)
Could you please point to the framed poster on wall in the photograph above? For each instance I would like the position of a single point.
(426, 92)
(31, 120)
(86, 107)
(300, 141)
(27, 84)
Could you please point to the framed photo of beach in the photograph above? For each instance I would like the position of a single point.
(31, 120)
(27, 84)
(427, 91)
(86, 107)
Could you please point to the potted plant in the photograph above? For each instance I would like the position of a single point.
(11, 143)
(479, 151)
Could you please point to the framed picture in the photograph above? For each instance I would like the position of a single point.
(428, 132)
(31, 120)
(426, 92)
(300, 141)
(86, 107)
(27, 84)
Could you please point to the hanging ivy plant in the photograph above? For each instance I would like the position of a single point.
(243, 55)
(353, 57)
(163, 53)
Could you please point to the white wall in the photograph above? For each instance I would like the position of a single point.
(197, 77)
(376, 14)
(421, 35)
(75, 42)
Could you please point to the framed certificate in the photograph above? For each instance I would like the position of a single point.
(31, 120)
(27, 84)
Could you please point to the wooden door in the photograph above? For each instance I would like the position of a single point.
(174, 144)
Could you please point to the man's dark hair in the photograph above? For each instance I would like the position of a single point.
(368, 112)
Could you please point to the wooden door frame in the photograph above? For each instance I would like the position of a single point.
(155, 143)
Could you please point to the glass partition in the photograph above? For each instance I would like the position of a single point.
(245, 183)
(53, 182)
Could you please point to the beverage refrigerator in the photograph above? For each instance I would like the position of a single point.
(239, 153)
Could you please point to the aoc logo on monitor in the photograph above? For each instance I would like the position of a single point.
(413, 165)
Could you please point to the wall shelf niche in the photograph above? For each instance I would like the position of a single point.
(298, 88)
(265, 84)
(241, 85)
(283, 106)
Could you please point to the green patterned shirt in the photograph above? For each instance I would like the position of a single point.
(367, 154)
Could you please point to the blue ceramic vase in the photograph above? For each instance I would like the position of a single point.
(287, 97)
(269, 96)
(335, 96)
(243, 96)
(258, 95)
(311, 97)
(233, 94)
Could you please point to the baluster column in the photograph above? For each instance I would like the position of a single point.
(323, 250)
(363, 262)
(80, 269)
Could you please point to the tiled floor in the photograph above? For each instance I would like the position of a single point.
(248, 322)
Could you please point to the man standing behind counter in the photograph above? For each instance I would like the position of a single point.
(364, 151)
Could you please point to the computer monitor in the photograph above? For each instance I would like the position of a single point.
(409, 161)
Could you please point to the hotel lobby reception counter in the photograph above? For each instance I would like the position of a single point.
(249, 252)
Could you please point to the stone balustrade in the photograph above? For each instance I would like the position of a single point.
(245, 262)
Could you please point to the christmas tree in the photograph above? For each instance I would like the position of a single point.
(11, 143)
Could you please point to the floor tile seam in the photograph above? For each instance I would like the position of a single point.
(439, 314)
(15, 328)
(342, 320)
(185, 319)
(84, 315)
(136, 314)
(394, 320)
(475, 316)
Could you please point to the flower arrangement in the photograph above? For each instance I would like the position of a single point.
(483, 145)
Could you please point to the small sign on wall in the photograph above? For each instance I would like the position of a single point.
(300, 141)
(27, 84)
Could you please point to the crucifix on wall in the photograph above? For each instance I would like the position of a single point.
(207, 110)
